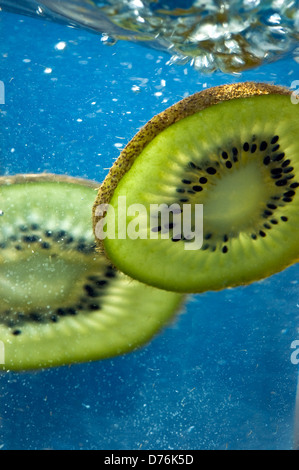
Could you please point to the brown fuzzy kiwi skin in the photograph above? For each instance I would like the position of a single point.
(46, 177)
(184, 108)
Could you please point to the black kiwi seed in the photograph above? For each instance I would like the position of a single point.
(289, 193)
(279, 157)
(93, 307)
(263, 145)
(90, 291)
(30, 239)
(267, 160)
(110, 274)
(59, 235)
(35, 317)
(281, 182)
(288, 169)
(203, 180)
(16, 332)
(208, 236)
(45, 246)
(276, 177)
(267, 213)
(276, 171)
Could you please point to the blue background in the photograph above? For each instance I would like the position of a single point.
(220, 376)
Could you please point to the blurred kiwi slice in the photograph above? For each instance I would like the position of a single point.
(61, 302)
(232, 149)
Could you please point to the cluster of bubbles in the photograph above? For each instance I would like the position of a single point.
(212, 34)
(226, 35)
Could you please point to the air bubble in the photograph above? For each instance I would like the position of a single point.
(108, 40)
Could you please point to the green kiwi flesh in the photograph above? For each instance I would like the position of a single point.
(61, 302)
(232, 149)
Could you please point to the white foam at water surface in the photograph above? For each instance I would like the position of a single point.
(230, 36)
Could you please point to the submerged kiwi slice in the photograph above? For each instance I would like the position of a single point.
(232, 149)
(60, 301)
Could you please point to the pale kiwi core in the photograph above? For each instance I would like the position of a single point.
(23, 287)
(223, 208)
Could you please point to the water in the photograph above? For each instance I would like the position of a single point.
(208, 34)
(221, 376)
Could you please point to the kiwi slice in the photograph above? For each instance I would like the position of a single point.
(232, 149)
(60, 301)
